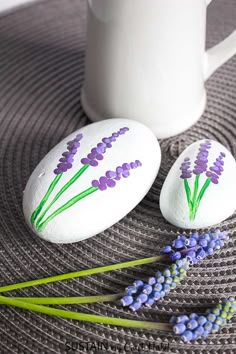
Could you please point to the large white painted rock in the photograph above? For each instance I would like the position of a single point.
(200, 189)
(82, 188)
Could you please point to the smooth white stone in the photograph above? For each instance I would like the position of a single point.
(218, 201)
(101, 209)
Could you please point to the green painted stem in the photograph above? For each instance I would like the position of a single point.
(85, 317)
(201, 193)
(188, 193)
(69, 300)
(64, 188)
(67, 205)
(82, 273)
(45, 198)
(195, 192)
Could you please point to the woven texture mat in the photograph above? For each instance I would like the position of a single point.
(41, 72)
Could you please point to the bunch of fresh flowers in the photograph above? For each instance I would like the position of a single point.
(189, 327)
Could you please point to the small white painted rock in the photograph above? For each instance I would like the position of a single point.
(200, 189)
(107, 168)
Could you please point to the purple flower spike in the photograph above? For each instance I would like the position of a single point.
(110, 178)
(185, 168)
(67, 159)
(96, 153)
(217, 169)
(202, 158)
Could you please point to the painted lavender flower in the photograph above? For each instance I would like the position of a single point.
(216, 170)
(96, 153)
(109, 180)
(66, 163)
(200, 168)
(185, 168)
(67, 159)
(202, 158)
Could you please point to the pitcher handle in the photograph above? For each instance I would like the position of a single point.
(220, 53)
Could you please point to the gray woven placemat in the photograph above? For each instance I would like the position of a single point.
(41, 72)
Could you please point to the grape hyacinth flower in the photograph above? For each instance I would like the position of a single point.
(96, 153)
(216, 170)
(196, 326)
(184, 252)
(196, 247)
(67, 159)
(110, 178)
(146, 293)
(195, 196)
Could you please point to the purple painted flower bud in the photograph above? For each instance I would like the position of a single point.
(202, 158)
(65, 163)
(97, 153)
(216, 170)
(110, 178)
(185, 168)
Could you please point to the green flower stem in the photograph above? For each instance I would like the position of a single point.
(69, 300)
(201, 193)
(85, 317)
(195, 192)
(188, 193)
(45, 198)
(67, 205)
(82, 273)
(64, 188)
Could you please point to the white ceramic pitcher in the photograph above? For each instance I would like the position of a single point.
(146, 60)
